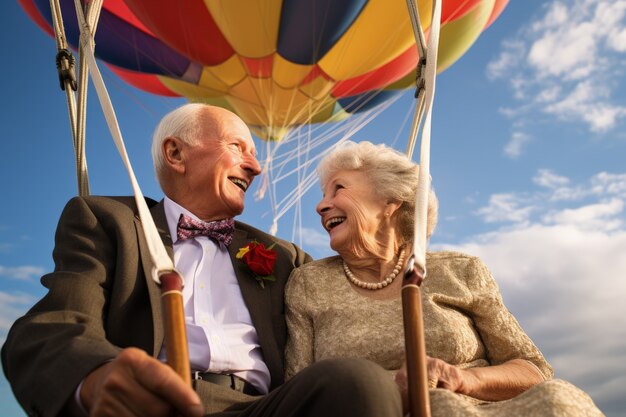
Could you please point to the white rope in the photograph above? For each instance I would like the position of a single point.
(161, 261)
(93, 14)
(78, 137)
(425, 95)
(279, 168)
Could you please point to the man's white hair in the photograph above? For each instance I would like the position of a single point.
(183, 123)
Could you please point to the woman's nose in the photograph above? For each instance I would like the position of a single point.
(323, 206)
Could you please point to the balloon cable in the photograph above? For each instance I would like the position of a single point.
(162, 262)
(67, 78)
(419, 399)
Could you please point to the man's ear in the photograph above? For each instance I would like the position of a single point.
(172, 149)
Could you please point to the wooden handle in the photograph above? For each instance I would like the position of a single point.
(176, 349)
(419, 401)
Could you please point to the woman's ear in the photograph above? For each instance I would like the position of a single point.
(392, 206)
(172, 149)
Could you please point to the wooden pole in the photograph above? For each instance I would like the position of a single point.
(415, 346)
(176, 349)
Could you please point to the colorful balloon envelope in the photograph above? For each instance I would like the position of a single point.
(278, 64)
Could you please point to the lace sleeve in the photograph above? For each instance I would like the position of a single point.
(501, 333)
(299, 349)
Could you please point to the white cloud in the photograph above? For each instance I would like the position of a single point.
(510, 57)
(315, 238)
(563, 275)
(600, 216)
(513, 149)
(12, 306)
(603, 184)
(547, 178)
(505, 208)
(25, 272)
(587, 103)
(617, 40)
(612, 184)
(568, 63)
(316, 242)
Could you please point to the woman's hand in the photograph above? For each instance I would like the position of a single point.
(491, 383)
(443, 375)
(440, 375)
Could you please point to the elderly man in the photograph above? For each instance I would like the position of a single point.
(94, 344)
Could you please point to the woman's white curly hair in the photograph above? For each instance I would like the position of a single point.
(392, 175)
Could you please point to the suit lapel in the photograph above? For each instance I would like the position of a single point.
(158, 215)
(257, 299)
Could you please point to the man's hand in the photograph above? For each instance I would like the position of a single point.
(135, 384)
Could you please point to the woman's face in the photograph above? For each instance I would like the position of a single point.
(351, 211)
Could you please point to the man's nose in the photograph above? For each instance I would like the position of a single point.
(252, 165)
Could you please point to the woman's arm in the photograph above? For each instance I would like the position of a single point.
(300, 341)
(503, 337)
(491, 383)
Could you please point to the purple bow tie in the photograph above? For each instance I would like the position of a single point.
(220, 231)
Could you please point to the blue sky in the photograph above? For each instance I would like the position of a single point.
(528, 151)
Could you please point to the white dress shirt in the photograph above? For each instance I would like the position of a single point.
(220, 333)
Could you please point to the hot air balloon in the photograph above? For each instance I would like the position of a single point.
(278, 64)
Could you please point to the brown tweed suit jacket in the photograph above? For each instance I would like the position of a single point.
(100, 300)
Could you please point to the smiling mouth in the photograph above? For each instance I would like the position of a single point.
(333, 222)
(239, 183)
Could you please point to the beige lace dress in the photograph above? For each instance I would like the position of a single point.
(466, 324)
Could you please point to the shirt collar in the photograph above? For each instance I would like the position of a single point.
(173, 211)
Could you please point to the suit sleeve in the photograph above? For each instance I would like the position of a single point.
(62, 338)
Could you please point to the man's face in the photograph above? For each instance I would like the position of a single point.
(219, 169)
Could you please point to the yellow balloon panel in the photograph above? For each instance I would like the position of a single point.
(381, 32)
(261, 101)
(252, 114)
(246, 91)
(456, 37)
(318, 88)
(189, 90)
(208, 80)
(229, 72)
(324, 112)
(259, 18)
(271, 133)
(288, 74)
(425, 8)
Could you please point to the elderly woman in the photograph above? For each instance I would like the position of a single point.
(349, 305)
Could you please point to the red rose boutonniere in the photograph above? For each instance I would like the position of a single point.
(260, 260)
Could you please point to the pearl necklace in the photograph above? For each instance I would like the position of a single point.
(370, 285)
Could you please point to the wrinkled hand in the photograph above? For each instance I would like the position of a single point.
(440, 375)
(443, 375)
(135, 384)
